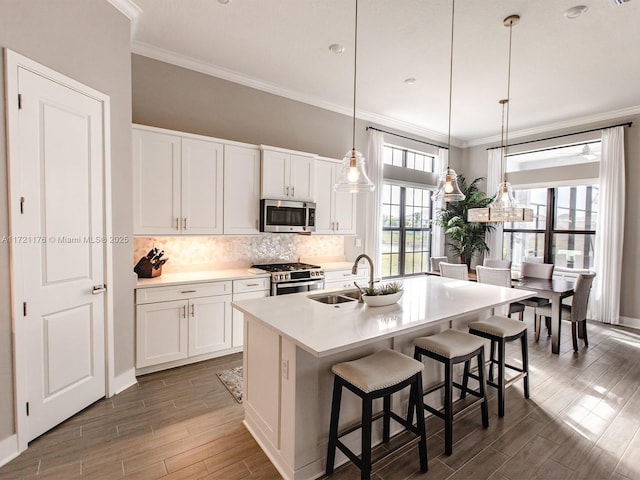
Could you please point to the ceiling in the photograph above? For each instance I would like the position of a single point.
(564, 72)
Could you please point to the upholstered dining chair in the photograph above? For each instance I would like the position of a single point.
(501, 277)
(496, 263)
(536, 270)
(459, 271)
(436, 261)
(576, 313)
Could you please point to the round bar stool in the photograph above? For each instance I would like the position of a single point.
(450, 348)
(377, 376)
(500, 330)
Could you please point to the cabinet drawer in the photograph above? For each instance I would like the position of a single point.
(251, 285)
(182, 292)
(339, 275)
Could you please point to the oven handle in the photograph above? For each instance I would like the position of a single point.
(298, 284)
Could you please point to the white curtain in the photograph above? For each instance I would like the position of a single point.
(437, 234)
(373, 219)
(605, 293)
(494, 238)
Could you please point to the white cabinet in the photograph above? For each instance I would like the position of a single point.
(344, 278)
(287, 175)
(241, 190)
(177, 183)
(246, 289)
(335, 211)
(174, 323)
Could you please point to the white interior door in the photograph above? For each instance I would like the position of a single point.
(61, 155)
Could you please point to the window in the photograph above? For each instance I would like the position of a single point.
(564, 229)
(406, 212)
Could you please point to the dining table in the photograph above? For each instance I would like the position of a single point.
(554, 289)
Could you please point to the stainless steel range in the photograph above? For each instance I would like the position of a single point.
(292, 277)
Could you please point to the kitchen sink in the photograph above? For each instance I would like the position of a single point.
(337, 297)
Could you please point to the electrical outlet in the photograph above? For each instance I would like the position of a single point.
(285, 369)
(358, 242)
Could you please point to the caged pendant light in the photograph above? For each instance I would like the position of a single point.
(448, 190)
(504, 207)
(353, 176)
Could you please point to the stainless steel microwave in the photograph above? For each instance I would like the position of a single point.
(284, 216)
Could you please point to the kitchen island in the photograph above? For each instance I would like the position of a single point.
(291, 342)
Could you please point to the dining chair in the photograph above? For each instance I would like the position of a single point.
(496, 263)
(502, 278)
(459, 271)
(436, 261)
(536, 270)
(576, 313)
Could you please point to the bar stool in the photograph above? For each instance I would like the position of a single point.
(378, 375)
(452, 347)
(500, 330)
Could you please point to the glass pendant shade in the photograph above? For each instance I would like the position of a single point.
(353, 177)
(448, 189)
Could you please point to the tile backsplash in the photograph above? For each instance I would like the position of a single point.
(201, 253)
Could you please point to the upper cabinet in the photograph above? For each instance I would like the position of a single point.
(177, 182)
(287, 175)
(241, 190)
(335, 211)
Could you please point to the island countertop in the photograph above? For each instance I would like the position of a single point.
(323, 329)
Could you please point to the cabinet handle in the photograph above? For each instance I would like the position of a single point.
(337, 226)
(184, 311)
(333, 225)
(185, 223)
(347, 274)
(257, 225)
(188, 291)
(193, 309)
(252, 285)
(293, 191)
(177, 223)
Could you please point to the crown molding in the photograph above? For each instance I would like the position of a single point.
(554, 127)
(128, 8)
(183, 61)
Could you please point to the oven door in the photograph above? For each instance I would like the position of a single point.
(296, 287)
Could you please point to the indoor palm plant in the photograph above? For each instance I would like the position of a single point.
(465, 238)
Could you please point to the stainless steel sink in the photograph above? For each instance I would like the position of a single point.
(337, 297)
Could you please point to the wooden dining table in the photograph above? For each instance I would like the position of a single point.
(555, 289)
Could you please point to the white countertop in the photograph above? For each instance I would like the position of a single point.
(191, 277)
(323, 329)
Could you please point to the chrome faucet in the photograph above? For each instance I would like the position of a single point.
(354, 269)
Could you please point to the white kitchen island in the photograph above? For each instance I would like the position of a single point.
(291, 342)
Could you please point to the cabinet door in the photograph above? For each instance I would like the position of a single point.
(301, 177)
(209, 324)
(275, 175)
(161, 332)
(345, 205)
(324, 178)
(241, 190)
(202, 186)
(238, 316)
(156, 183)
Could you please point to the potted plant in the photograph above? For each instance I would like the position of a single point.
(384, 294)
(465, 238)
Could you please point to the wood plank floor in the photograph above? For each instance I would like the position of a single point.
(581, 422)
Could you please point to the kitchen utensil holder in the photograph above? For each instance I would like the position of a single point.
(145, 269)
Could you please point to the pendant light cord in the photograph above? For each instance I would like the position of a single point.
(453, 9)
(355, 73)
(506, 134)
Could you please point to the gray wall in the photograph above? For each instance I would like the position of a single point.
(88, 40)
(475, 161)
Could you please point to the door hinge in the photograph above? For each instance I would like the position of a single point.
(27, 409)
(19, 101)
(22, 205)
(24, 309)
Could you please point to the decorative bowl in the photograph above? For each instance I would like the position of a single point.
(382, 300)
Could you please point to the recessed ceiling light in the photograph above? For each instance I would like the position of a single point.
(336, 48)
(410, 81)
(575, 12)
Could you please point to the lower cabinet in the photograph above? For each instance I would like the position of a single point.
(246, 289)
(346, 279)
(175, 323)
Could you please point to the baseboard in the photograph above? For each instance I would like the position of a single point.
(630, 322)
(124, 381)
(8, 449)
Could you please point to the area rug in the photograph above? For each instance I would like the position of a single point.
(232, 379)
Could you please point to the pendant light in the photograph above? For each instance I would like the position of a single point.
(504, 207)
(353, 176)
(448, 190)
